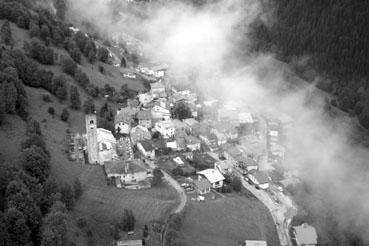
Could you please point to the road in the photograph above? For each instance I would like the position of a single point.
(276, 210)
(171, 181)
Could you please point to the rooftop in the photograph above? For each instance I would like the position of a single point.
(123, 167)
(125, 115)
(305, 234)
(144, 115)
(261, 177)
(147, 145)
(212, 175)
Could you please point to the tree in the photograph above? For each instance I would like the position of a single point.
(35, 140)
(103, 54)
(17, 232)
(67, 196)
(55, 226)
(22, 22)
(10, 95)
(2, 109)
(34, 30)
(364, 117)
(45, 32)
(74, 98)
(60, 87)
(76, 55)
(78, 190)
(157, 179)
(64, 115)
(6, 34)
(89, 106)
(91, 56)
(69, 66)
(128, 221)
(82, 78)
(45, 79)
(61, 8)
(236, 184)
(181, 111)
(36, 162)
(123, 62)
(51, 111)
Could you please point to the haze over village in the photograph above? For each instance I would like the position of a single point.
(133, 122)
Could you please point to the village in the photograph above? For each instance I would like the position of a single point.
(201, 146)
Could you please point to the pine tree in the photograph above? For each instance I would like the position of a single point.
(75, 98)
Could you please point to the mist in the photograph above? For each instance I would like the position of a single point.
(204, 40)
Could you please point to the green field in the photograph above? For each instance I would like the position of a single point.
(228, 221)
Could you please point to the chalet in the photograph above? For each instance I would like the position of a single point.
(192, 143)
(146, 148)
(260, 179)
(213, 176)
(225, 166)
(166, 128)
(304, 235)
(106, 145)
(202, 186)
(139, 133)
(144, 118)
(246, 163)
(158, 89)
(128, 172)
(124, 119)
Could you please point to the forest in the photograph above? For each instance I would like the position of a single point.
(332, 34)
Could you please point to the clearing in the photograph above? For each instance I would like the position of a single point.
(228, 221)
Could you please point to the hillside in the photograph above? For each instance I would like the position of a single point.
(39, 89)
(322, 40)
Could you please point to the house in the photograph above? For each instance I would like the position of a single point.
(214, 176)
(210, 140)
(225, 166)
(146, 148)
(255, 243)
(246, 163)
(192, 143)
(145, 98)
(139, 133)
(144, 118)
(190, 122)
(202, 186)
(129, 243)
(221, 137)
(245, 118)
(305, 235)
(166, 128)
(180, 125)
(159, 113)
(124, 119)
(106, 145)
(158, 89)
(259, 178)
(128, 172)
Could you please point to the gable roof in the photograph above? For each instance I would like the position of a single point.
(123, 167)
(147, 145)
(261, 177)
(144, 115)
(305, 234)
(255, 243)
(125, 115)
(212, 175)
(202, 184)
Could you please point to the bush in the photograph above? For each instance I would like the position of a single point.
(60, 87)
(46, 98)
(64, 115)
(236, 184)
(103, 54)
(51, 111)
(69, 66)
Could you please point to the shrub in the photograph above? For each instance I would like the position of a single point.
(69, 66)
(46, 98)
(51, 111)
(64, 115)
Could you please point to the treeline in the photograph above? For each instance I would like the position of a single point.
(33, 208)
(333, 35)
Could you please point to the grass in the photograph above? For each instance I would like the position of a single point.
(228, 221)
(102, 204)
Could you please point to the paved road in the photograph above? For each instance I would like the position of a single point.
(277, 211)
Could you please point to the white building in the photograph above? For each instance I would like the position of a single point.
(106, 145)
(214, 176)
(166, 128)
(146, 148)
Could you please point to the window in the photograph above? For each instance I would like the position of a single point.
(92, 122)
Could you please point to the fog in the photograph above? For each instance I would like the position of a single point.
(205, 40)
